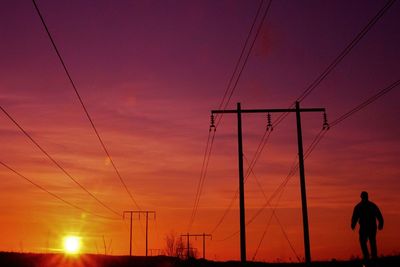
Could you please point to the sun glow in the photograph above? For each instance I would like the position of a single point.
(72, 244)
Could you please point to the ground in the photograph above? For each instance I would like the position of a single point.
(11, 259)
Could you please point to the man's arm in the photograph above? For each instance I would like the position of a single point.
(380, 218)
(354, 218)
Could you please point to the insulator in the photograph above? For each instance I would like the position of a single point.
(269, 124)
(212, 124)
(325, 125)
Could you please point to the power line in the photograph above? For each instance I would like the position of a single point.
(350, 113)
(200, 180)
(339, 58)
(346, 50)
(226, 211)
(238, 112)
(83, 105)
(53, 194)
(241, 55)
(282, 185)
(314, 144)
(250, 170)
(292, 171)
(247, 56)
(343, 117)
(322, 77)
(257, 154)
(273, 214)
(336, 61)
(330, 67)
(243, 224)
(278, 190)
(203, 174)
(238, 62)
(208, 149)
(56, 163)
(367, 102)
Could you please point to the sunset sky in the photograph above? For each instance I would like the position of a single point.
(149, 73)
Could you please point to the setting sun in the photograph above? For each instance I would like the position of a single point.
(72, 244)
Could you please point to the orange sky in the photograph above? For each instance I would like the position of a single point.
(149, 73)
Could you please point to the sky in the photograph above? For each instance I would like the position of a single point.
(149, 73)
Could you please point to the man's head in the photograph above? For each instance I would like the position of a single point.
(364, 196)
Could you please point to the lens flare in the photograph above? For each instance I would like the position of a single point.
(72, 244)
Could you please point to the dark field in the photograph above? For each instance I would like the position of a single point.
(46, 260)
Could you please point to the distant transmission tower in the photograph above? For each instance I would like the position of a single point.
(131, 212)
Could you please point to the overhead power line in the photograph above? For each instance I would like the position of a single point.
(278, 191)
(206, 160)
(323, 75)
(273, 214)
(53, 194)
(340, 57)
(211, 133)
(228, 93)
(83, 105)
(314, 144)
(281, 189)
(56, 162)
(364, 104)
(313, 85)
(257, 154)
(247, 55)
(340, 119)
(331, 66)
(235, 71)
(346, 50)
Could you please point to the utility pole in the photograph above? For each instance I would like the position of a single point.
(130, 234)
(131, 212)
(241, 187)
(307, 250)
(203, 235)
(298, 111)
(204, 244)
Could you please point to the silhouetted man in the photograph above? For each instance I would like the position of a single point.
(366, 213)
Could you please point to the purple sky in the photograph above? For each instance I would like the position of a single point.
(151, 71)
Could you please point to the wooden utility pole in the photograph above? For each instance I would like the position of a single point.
(203, 235)
(241, 187)
(130, 234)
(131, 212)
(298, 111)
